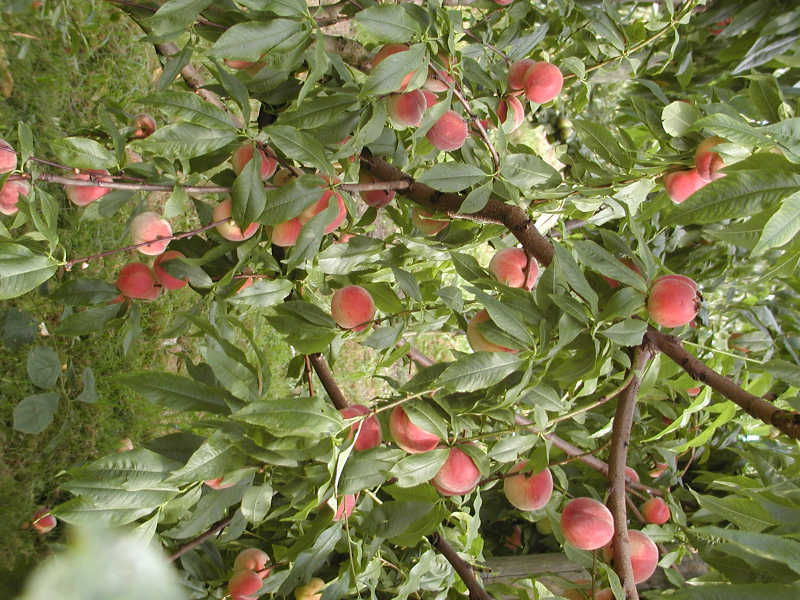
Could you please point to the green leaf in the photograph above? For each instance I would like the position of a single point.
(407, 283)
(300, 146)
(307, 417)
(176, 15)
(478, 371)
(236, 90)
(759, 53)
(742, 512)
(626, 333)
(252, 39)
(310, 237)
(476, 199)
(392, 70)
(263, 293)
(782, 226)
(87, 321)
(388, 23)
(256, 503)
(569, 271)
(235, 377)
(770, 547)
(89, 393)
(34, 413)
(601, 141)
(599, 259)
(43, 366)
(419, 468)
(80, 292)
(526, 171)
(187, 140)
(735, 130)
(784, 370)
(177, 392)
(319, 112)
(21, 270)
(249, 197)
(288, 201)
(186, 106)
(83, 153)
(451, 176)
(677, 118)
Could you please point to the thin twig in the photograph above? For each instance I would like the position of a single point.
(215, 528)
(308, 375)
(596, 403)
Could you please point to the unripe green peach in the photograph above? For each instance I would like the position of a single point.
(310, 590)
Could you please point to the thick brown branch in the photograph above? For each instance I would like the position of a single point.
(618, 459)
(328, 382)
(476, 591)
(215, 528)
(786, 421)
(417, 356)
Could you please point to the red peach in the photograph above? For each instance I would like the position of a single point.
(682, 184)
(322, 204)
(376, 198)
(587, 524)
(164, 278)
(352, 307)
(720, 25)
(8, 158)
(10, 195)
(434, 84)
(672, 302)
(658, 470)
(345, 508)
(244, 154)
(238, 64)
(503, 2)
(144, 125)
(508, 266)
(228, 229)
(430, 98)
(458, 474)
(426, 225)
(449, 132)
(613, 283)
(285, 234)
(516, 74)
(643, 552)
(370, 434)
(693, 391)
(708, 162)
(387, 51)
(543, 82)
(135, 280)
(149, 226)
(528, 491)
(43, 521)
(517, 110)
(216, 483)
(407, 108)
(252, 559)
(83, 196)
(631, 475)
(475, 338)
(244, 584)
(655, 510)
(408, 436)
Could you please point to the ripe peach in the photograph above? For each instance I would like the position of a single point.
(508, 266)
(164, 278)
(310, 590)
(252, 559)
(587, 524)
(528, 491)
(409, 437)
(682, 184)
(503, 2)
(542, 82)
(244, 154)
(430, 98)
(322, 204)
(449, 132)
(8, 158)
(83, 196)
(517, 110)
(658, 470)
(216, 483)
(458, 474)
(672, 301)
(244, 584)
(720, 25)
(631, 475)
(423, 222)
(693, 391)
(516, 74)
(644, 555)
(135, 280)
(370, 435)
(655, 510)
(708, 162)
(144, 125)
(228, 229)
(475, 338)
(10, 194)
(285, 234)
(436, 85)
(149, 226)
(387, 51)
(345, 508)
(43, 521)
(352, 307)
(376, 198)
(613, 283)
(407, 108)
(238, 64)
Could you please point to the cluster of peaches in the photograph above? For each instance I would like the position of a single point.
(249, 570)
(682, 184)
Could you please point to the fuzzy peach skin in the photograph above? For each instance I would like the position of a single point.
(528, 491)
(376, 198)
(387, 51)
(252, 559)
(516, 74)
(165, 279)
(244, 584)
(370, 434)
(136, 280)
(587, 524)
(346, 505)
(148, 226)
(352, 307)
(655, 510)
(311, 590)
(672, 302)
(43, 521)
(508, 266)
(475, 338)
(682, 184)
(285, 234)
(228, 229)
(458, 475)
(644, 555)
(543, 82)
(322, 204)
(423, 222)
(449, 132)
(708, 162)
(8, 157)
(244, 154)
(144, 124)
(410, 437)
(83, 196)
(407, 109)
(10, 194)
(517, 111)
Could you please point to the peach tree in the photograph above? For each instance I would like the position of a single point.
(603, 198)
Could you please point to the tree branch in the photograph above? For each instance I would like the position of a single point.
(476, 591)
(215, 528)
(328, 382)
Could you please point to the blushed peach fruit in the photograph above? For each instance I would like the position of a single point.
(345, 507)
(672, 302)
(370, 434)
(430, 98)
(409, 437)
(144, 125)
(423, 222)
(658, 470)
(655, 510)
(631, 475)
(10, 195)
(528, 491)
(244, 584)
(83, 196)
(503, 2)
(613, 283)
(543, 82)
(244, 154)
(216, 483)
(322, 204)
(475, 338)
(644, 555)
(516, 74)
(604, 594)
(449, 132)
(587, 524)
(693, 391)
(682, 184)
(148, 226)
(517, 111)
(135, 280)
(719, 26)
(164, 278)
(352, 307)
(508, 266)
(376, 198)
(387, 51)
(228, 229)
(683, 278)
(458, 474)
(311, 590)
(513, 541)
(8, 158)
(285, 234)
(238, 64)
(708, 162)
(434, 84)
(407, 108)
(43, 521)
(251, 559)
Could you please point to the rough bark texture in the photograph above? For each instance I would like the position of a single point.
(476, 591)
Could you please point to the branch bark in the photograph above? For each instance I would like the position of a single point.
(215, 528)
(476, 591)
(328, 382)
